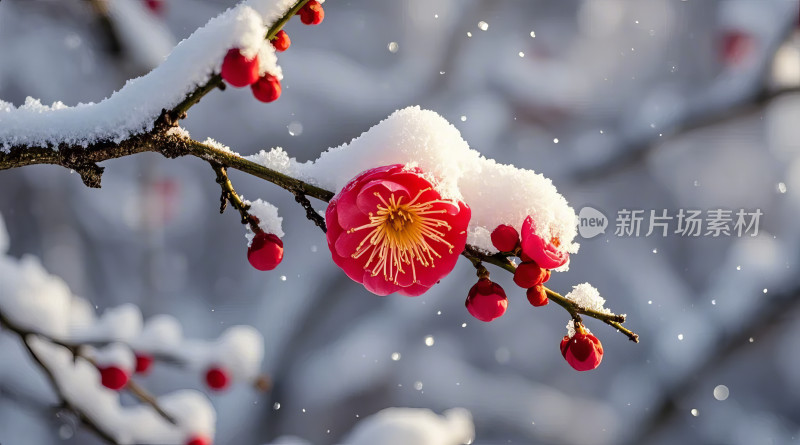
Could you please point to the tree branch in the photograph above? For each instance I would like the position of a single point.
(136, 390)
(25, 336)
(478, 255)
(162, 139)
(229, 195)
(216, 80)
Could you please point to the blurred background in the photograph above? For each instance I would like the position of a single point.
(665, 104)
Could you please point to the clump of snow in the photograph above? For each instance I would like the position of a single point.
(268, 219)
(218, 145)
(497, 193)
(586, 296)
(122, 323)
(161, 333)
(571, 328)
(239, 349)
(403, 426)
(134, 108)
(30, 296)
(114, 354)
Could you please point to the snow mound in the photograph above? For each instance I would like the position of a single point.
(403, 426)
(586, 296)
(497, 193)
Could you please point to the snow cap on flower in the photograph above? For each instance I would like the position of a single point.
(423, 138)
(390, 230)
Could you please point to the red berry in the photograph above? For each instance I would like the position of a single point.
(737, 46)
(505, 238)
(267, 88)
(143, 363)
(217, 378)
(583, 351)
(281, 41)
(156, 6)
(529, 274)
(113, 377)
(312, 13)
(239, 71)
(198, 440)
(265, 252)
(537, 296)
(486, 300)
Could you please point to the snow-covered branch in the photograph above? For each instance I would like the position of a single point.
(405, 200)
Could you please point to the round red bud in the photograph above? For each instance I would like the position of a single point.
(238, 70)
(217, 378)
(113, 377)
(267, 88)
(505, 238)
(486, 300)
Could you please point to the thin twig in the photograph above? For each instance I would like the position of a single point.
(477, 256)
(141, 394)
(25, 336)
(229, 195)
(311, 214)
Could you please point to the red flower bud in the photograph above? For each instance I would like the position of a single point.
(583, 351)
(312, 13)
(529, 274)
(143, 362)
(267, 88)
(156, 6)
(281, 41)
(217, 378)
(113, 377)
(239, 71)
(505, 238)
(486, 300)
(198, 440)
(265, 252)
(736, 47)
(537, 295)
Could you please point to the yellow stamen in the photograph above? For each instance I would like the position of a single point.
(399, 234)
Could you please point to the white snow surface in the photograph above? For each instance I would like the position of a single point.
(403, 426)
(496, 193)
(114, 354)
(588, 297)
(134, 108)
(268, 219)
